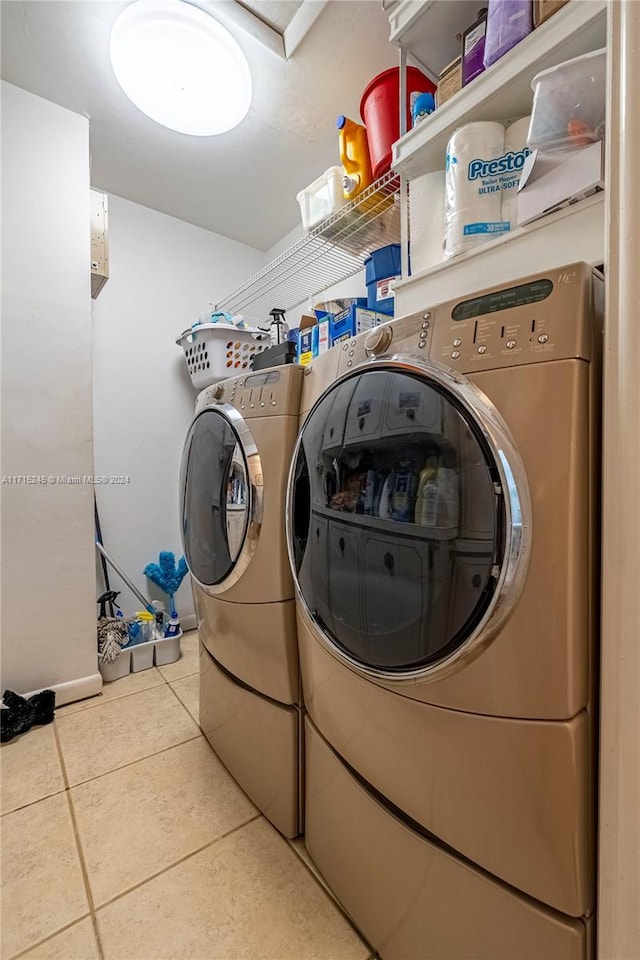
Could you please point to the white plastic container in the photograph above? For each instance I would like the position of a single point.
(167, 650)
(118, 668)
(142, 656)
(569, 104)
(321, 198)
(215, 351)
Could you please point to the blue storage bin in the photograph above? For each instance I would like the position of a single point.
(379, 266)
(343, 325)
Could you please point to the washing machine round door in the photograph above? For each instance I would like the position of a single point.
(408, 520)
(221, 497)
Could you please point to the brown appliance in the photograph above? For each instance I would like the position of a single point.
(442, 530)
(234, 473)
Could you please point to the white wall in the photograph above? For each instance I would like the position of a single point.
(163, 272)
(48, 582)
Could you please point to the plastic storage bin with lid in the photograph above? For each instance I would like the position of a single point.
(380, 267)
(569, 104)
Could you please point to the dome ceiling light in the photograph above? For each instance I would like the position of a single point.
(180, 67)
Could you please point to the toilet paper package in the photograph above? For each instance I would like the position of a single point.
(473, 198)
(515, 141)
(482, 167)
(426, 220)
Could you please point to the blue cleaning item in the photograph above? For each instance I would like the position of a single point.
(166, 575)
(422, 104)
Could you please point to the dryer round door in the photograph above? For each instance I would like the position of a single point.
(408, 520)
(221, 498)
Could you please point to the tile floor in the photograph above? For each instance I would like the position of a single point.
(123, 836)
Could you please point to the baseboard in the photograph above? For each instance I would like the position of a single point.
(73, 690)
(190, 622)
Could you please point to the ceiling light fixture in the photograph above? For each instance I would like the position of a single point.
(180, 67)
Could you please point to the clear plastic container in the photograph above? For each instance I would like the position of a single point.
(321, 198)
(569, 104)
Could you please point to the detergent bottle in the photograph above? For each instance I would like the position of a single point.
(354, 157)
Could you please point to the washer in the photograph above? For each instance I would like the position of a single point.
(444, 552)
(234, 471)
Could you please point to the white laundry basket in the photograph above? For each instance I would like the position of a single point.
(215, 351)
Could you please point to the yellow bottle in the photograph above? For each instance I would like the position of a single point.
(354, 157)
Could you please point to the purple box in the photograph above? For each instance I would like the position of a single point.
(508, 23)
(473, 48)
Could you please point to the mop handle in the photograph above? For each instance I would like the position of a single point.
(125, 578)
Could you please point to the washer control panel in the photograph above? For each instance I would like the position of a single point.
(410, 335)
(534, 319)
(271, 392)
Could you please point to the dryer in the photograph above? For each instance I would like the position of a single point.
(234, 471)
(442, 532)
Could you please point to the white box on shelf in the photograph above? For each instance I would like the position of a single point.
(551, 181)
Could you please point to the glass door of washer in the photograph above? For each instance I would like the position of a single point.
(216, 499)
(407, 520)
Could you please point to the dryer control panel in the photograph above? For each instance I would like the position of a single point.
(539, 318)
(272, 392)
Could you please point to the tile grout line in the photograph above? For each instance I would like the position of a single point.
(92, 702)
(24, 806)
(176, 863)
(76, 834)
(184, 706)
(130, 763)
(50, 936)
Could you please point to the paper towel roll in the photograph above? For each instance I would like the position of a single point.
(426, 220)
(473, 199)
(515, 141)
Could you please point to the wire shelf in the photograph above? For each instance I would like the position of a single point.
(331, 252)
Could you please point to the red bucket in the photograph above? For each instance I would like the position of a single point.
(379, 109)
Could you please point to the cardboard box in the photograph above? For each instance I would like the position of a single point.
(352, 321)
(543, 9)
(449, 81)
(307, 339)
(553, 180)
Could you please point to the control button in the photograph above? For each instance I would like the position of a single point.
(511, 344)
(482, 349)
(457, 342)
(262, 404)
(427, 315)
(425, 325)
(378, 340)
(350, 363)
(422, 344)
(543, 338)
(455, 354)
(273, 403)
(350, 353)
(345, 346)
